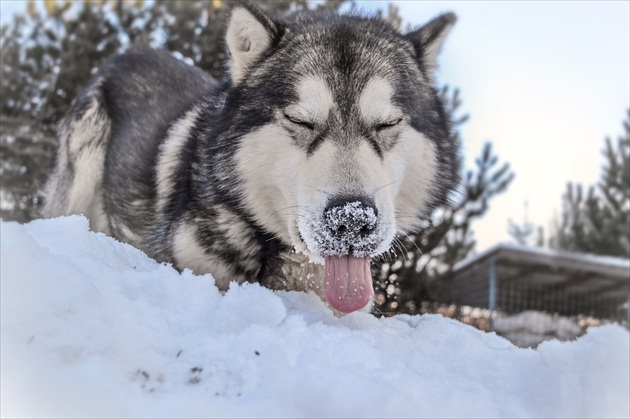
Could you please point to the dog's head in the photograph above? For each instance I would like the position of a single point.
(343, 141)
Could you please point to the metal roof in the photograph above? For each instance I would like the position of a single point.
(528, 278)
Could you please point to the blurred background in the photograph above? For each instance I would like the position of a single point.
(536, 241)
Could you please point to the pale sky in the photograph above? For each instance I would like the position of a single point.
(545, 81)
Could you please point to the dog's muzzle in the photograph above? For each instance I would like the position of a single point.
(345, 235)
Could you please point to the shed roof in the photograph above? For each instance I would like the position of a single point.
(529, 278)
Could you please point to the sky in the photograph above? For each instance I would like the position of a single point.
(545, 82)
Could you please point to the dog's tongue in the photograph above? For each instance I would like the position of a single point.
(348, 283)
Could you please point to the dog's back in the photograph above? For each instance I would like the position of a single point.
(118, 123)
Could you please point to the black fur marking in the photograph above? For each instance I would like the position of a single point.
(375, 145)
(320, 137)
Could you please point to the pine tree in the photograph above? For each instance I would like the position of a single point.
(526, 233)
(598, 220)
(46, 59)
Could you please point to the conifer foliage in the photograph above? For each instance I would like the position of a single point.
(597, 220)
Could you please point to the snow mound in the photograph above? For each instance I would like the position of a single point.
(530, 328)
(93, 327)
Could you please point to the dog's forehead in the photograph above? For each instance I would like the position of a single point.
(356, 70)
(316, 97)
(375, 100)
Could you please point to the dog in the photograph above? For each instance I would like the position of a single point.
(326, 140)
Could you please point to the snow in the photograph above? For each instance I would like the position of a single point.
(93, 327)
(349, 229)
(530, 328)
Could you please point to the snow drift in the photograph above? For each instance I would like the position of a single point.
(93, 327)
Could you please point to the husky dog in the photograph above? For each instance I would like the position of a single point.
(325, 141)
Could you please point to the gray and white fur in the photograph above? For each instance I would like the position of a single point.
(326, 140)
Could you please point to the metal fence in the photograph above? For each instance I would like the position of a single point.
(530, 295)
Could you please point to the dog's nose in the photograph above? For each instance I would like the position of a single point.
(350, 217)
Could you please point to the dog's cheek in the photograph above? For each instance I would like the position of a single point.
(389, 173)
(418, 159)
(266, 163)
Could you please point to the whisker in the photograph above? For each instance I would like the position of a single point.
(299, 207)
(408, 214)
(392, 251)
(273, 237)
(317, 189)
(395, 242)
(386, 185)
(412, 241)
(403, 248)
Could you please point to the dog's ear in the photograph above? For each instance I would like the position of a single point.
(428, 40)
(248, 36)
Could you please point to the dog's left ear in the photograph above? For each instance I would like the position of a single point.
(249, 34)
(428, 40)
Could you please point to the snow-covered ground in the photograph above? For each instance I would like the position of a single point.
(92, 327)
(530, 328)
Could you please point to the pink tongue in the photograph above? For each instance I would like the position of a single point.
(348, 283)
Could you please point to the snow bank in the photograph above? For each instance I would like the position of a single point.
(530, 328)
(92, 327)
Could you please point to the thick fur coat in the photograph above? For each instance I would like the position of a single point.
(326, 141)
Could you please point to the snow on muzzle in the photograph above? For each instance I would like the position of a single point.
(346, 235)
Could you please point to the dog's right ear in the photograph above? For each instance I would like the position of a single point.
(249, 35)
(428, 40)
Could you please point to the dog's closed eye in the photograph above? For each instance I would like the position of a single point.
(305, 124)
(389, 124)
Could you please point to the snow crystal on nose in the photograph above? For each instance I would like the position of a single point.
(353, 218)
(349, 229)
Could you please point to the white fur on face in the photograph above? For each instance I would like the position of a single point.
(335, 169)
(267, 162)
(416, 159)
(287, 191)
(375, 102)
(315, 100)
(412, 162)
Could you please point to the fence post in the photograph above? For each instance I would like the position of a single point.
(492, 292)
